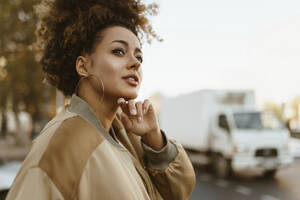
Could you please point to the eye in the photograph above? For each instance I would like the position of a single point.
(139, 58)
(119, 52)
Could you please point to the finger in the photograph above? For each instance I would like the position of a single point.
(132, 107)
(139, 107)
(146, 106)
(124, 105)
(125, 120)
(119, 112)
(121, 100)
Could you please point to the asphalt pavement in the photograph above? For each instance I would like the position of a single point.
(284, 186)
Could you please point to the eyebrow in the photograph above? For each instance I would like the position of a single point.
(126, 44)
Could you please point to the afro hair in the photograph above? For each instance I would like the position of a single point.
(69, 28)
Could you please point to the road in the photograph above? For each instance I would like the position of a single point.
(285, 186)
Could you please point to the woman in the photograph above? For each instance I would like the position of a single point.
(103, 145)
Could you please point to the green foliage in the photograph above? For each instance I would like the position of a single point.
(21, 74)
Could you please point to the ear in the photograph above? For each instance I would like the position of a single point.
(81, 66)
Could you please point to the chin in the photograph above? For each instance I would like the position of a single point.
(129, 94)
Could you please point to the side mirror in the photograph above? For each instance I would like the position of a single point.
(223, 123)
(227, 128)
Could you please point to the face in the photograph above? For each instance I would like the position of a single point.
(117, 62)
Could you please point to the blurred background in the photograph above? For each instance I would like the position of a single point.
(227, 74)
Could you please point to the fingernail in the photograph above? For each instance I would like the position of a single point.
(144, 111)
(120, 100)
(139, 119)
(133, 111)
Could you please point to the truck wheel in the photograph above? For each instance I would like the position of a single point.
(3, 194)
(270, 173)
(222, 167)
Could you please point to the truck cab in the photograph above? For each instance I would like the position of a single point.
(248, 142)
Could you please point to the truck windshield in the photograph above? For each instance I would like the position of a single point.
(256, 120)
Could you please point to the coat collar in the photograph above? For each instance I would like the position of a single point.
(82, 108)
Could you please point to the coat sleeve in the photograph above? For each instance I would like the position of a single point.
(170, 170)
(33, 184)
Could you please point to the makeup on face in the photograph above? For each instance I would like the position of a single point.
(117, 61)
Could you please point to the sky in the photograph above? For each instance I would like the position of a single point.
(230, 44)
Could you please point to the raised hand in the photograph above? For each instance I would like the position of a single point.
(140, 119)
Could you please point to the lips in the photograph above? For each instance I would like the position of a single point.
(132, 78)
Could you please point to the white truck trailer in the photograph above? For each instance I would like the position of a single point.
(224, 126)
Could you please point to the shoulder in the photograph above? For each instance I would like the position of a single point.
(67, 153)
(73, 133)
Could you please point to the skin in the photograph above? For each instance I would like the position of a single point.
(117, 55)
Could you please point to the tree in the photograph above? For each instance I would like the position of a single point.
(21, 74)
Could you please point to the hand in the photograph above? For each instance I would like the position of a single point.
(140, 119)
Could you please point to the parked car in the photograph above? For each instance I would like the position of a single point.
(8, 173)
(295, 133)
(294, 147)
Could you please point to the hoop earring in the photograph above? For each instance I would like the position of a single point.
(89, 77)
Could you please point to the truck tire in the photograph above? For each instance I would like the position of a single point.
(270, 173)
(3, 194)
(222, 166)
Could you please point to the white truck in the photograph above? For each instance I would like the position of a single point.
(224, 127)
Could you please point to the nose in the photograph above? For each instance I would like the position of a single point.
(134, 63)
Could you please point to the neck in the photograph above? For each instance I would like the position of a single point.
(105, 108)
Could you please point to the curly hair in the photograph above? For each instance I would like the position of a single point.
(70, 28)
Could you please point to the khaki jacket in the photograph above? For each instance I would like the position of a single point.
(74, 157)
